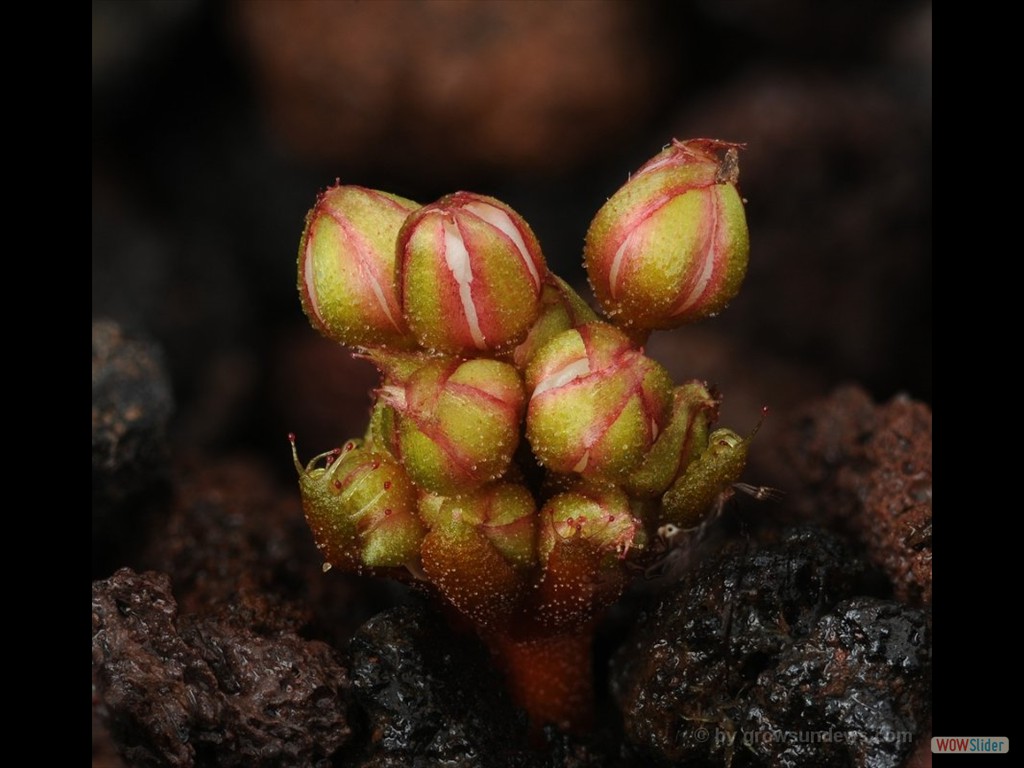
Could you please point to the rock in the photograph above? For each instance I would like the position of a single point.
(758, 648)
(861, 678)
(432, 697)
(868, 468)
(190, 691)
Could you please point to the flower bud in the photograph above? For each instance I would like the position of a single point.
(361, 508)
(469, 275)
(699, 489)
(596, 513)
(480, 549)
(694, 410)
(585, 535)
(597, 402)
(671, 245)
(457, 422)
(347, 266)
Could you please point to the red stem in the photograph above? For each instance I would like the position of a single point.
(551, 677)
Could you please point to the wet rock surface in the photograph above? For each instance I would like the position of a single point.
(431, 697)
(863, 672)
(764, 651)
(189, 691)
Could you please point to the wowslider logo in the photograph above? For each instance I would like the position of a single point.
(971, 744)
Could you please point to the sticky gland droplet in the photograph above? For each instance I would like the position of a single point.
(337, 484)
(291, 438)
(387, 486)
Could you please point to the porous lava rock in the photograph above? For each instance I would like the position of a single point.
(201, 691)
(765, 651)
(432, 697)
(867, 470)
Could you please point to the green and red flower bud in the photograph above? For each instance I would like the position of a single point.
(346, 266)
(671, 245)
(561, 309)
(361, 507)
(593, 512)
(470, 272)
(480, 549)
(382, 431)
(699, 489)
(458, 422)
(584, 536)
(597, 403)
(694, 410)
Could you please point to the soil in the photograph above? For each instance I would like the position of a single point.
(218, 639)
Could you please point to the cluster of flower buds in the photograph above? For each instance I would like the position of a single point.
(523, 452)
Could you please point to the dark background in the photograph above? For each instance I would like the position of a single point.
(216, 123)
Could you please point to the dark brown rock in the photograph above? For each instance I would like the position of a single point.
(863, 672)
(189, 691)
(761, 643)
(868, 469)
(431, 697)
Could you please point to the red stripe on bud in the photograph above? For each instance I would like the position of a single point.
(671, 245)
(470, 274)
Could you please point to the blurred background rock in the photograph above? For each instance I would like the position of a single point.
(215, 124)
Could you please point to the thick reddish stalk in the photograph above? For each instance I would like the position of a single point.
(551, 677)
